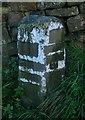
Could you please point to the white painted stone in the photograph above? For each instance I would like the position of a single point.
(61, 64)
(21, 68)
(38, 35)
(29, 81)
(43, 86)
(43, 79)
(59, 51)
(48, 68)
(25, 35)
(23, 80)
(53, 53)
(24, 69)
(54, 25)
(33, 59)
(64, 54)
(33, 82)
(18, 36)
(49, 44)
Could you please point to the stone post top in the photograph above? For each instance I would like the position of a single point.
(38, 20)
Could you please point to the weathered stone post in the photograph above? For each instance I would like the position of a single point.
(41, 56)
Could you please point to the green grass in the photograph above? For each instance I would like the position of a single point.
(66, 102)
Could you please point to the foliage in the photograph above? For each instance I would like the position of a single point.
(11, 90)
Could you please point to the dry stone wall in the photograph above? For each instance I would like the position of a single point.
(72, 15)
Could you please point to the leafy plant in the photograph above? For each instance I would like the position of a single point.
(8, 111)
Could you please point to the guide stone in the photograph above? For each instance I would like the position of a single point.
(40, 39)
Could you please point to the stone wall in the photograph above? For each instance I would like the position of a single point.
(72, 15)
(12, 13)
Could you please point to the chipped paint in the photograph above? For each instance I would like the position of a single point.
(19, 36)
(48, 68)
(23, 80)
(38, 59)
(24, 69)
(61, 64)
(25, 35)
(53, 53)
(29, 81)
(64, 54)
(38, 35)
(54, 25)
(25, 39)
(43, 80)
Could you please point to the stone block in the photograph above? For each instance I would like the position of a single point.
(14, 18)
(31, 95)
(82, 8)
(76, 23)
(5, 34)
(56, 36)
(4, 17)
(28, 49)
(72, 3)
(9, 49)
(53, 79)
(37, 12)
(41, 51)
(32, 65)
(22, 6)
(54, 58)
(5, 11)
(63, 12)
(48, 5)
(13, 33)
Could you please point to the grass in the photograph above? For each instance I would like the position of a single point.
(66, 102)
